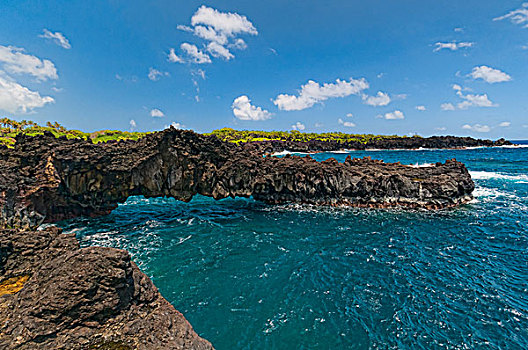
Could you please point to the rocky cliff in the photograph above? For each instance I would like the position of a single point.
(55, 295)
(45, 179)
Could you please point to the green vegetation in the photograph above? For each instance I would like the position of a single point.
(235, 136)
(10, 128)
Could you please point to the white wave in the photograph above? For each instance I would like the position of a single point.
(423, 165)
(513, 146)
(488, 175)
(487, 194)
(284, 153)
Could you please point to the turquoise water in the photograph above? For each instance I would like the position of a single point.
(252, 276)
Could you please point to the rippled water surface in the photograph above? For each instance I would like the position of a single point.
(252, 276)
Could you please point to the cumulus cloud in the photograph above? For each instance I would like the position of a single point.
(219, 30)
(175, 125)
(447, 107)
(15, 98)
(132, 123)
(381, 99)
(312, 93)
(504, 124)
(226, 23)
(475, 101)
(217, 50)
(392, 115)
(195, 55)
(469, 100)
(441, 128)
(298, 126)
(453, 46)
(174, 58)
(420, 108)
(349, 115)
(477, 127)
(155, 74)
(15, 61)
(156, 113)
(57, 38)
(489, 75)
(518, 16)
(244, 110)
(347, 124)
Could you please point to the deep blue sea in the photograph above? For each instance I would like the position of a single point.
(254, 276)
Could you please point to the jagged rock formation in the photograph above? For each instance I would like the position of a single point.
(45, 179)
(73, 298)
(55, 295)
(435, 142)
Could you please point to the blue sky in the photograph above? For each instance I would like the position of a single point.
(384, 67)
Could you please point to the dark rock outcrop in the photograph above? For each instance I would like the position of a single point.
(73, 298)
(44, 179)
(433, 142)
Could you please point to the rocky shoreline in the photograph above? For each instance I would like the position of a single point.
(54, 294)
(409, 143)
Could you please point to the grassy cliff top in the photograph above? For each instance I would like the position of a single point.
(10, 128)
(242, 136)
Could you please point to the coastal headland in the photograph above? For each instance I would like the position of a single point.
(54, 294)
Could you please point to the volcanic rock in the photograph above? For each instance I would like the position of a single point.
(73, 298)
(46, 179)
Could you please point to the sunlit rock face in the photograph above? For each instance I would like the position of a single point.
(55, 295)
(46, 179)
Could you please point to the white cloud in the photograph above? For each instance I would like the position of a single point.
(318, 125)
(58, 38)
(156, 113)
(470, 100)
(240, 44)
(392, 115)
(504, 124)
(441, 128)
(349, 115)
(195, 55)
(15, 98)
(477, 127)
(447, 107)
(312, 93)
(459, 30)
(381, 99)
(174, 58)
(219, 30)
(347, 124)
(420, 108)
(15, 61)
(298, 126)
(175, 125)
(155, 74)
(244, 110)
(453, 46)
(226, 23)
(218, 50)
(489, 75)
(210, 34)
(132, 123)
(475, 101)
(519, 16)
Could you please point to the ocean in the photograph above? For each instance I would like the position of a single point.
(253, 276)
